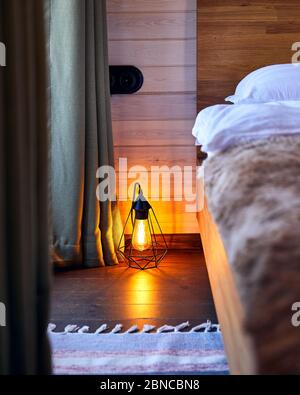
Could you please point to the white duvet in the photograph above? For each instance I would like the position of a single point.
(221, 126)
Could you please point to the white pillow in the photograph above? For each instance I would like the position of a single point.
(271, 83)
(222, 126)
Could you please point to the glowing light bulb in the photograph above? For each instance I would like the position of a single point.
(141, 238)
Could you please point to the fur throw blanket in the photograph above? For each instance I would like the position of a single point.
(253, 193)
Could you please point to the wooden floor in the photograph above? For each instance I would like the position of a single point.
(175, 292)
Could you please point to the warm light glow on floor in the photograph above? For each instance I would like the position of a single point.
(141, 288)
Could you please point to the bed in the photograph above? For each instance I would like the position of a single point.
(250, 236)
(250, 222)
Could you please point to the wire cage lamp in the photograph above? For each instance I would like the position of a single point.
(146, 246)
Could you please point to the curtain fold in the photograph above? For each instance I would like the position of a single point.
(85, 231)
(24, 243)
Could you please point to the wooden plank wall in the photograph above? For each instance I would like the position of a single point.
(236, 37)
(153, 127)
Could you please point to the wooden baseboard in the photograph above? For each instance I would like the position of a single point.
(184, 241)
(181, 241)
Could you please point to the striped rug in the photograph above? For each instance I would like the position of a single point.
(199, 353)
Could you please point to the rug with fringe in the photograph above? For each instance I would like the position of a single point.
(166, 350)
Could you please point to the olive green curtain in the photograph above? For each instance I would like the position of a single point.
(85, 232)
(24, 244)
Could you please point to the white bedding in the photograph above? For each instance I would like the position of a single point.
(221, 126)
(272, 83)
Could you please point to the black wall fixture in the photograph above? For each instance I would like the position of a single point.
(125, 80)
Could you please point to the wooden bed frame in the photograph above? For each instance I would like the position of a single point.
(236, 37)
(229, 309)
(230, 312)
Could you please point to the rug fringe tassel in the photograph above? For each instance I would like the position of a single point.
(71, 328)
(84, 329)
(117, 328)
(133, 329)
(205, 327)
(148, 328)
(101, 329)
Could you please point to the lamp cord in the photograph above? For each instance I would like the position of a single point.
(136, 185)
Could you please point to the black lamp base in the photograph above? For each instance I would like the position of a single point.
(143, 260)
